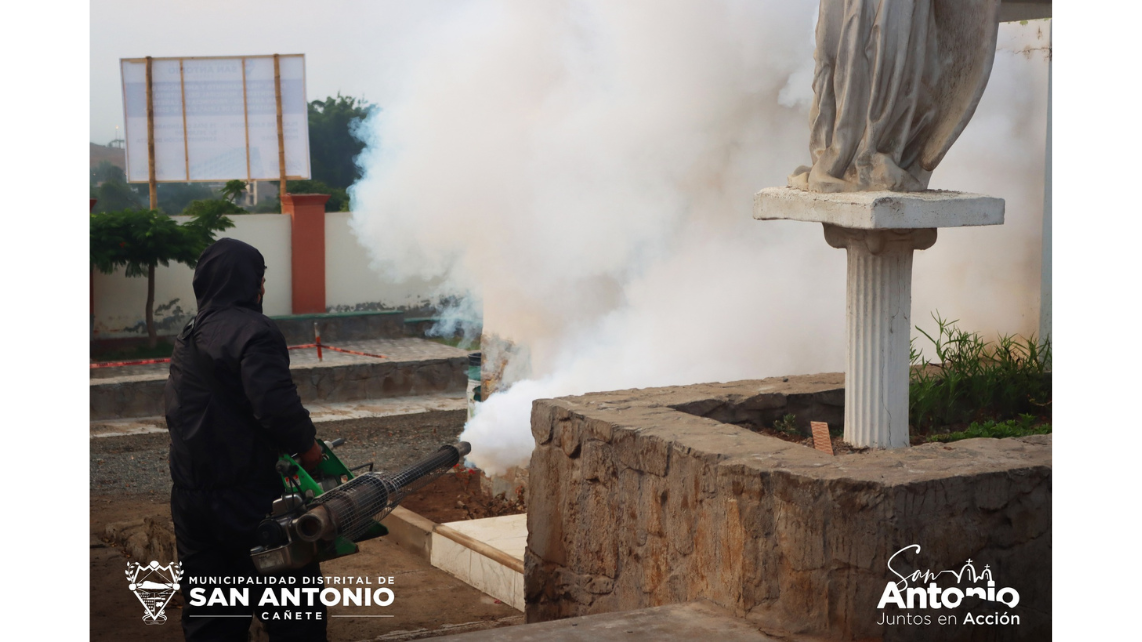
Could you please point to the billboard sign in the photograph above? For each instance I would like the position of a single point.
(216, 118)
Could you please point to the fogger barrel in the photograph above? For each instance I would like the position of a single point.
(352, 507)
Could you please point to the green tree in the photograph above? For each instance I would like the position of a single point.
(232, 190)
(110, 189)
(116, 195)
(338, 198)
(213, 207)
(175, 197)
(267, 205)
(333, 151)
(333, 148)
(107, 171)
(139, 240)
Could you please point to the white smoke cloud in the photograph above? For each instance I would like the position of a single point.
(585, 170)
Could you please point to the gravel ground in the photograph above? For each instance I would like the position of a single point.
(137, 464)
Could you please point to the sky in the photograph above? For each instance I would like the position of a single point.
(336, 36)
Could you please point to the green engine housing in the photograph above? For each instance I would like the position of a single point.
(329, 474)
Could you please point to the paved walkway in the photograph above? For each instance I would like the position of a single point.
(411, 349)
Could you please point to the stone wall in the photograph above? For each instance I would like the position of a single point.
(336, 327)
(342, 326)
(119, 302)
(636, 502)
(381, 379)
(142, 396)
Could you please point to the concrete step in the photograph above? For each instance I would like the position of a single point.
(690, 621)
(335, 327)
(411, 367)
(318, 412)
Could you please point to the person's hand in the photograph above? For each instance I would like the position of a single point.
(310, 458)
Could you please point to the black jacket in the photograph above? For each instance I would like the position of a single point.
(231, 407)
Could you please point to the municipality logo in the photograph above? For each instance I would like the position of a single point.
(921, 590)
(154, 585)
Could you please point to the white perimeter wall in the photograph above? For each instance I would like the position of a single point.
(120, 302)
(350, 282)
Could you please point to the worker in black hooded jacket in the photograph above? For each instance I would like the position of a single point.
(231, 408)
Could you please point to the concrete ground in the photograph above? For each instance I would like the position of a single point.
(137, 462)
(676, 622)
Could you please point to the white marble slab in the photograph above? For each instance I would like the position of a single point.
(879, 210)
(508, 534)
(451, 557)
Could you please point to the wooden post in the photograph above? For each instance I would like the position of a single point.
(153, 184)
(185, 131)
(246, 118)
(281, 129)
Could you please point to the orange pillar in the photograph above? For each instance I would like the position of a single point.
(307, 216)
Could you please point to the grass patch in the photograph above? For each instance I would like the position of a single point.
(972, 380)
(1021, 427)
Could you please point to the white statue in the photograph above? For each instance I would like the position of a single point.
(896, 81)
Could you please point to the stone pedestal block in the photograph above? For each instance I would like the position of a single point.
(641, 498)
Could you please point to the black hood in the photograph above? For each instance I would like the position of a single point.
(229, 273)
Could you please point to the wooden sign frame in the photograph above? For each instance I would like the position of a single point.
(152, 180)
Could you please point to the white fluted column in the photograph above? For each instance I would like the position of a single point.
(878, 324)
(879, 230)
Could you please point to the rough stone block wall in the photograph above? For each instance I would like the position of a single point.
(638, 503)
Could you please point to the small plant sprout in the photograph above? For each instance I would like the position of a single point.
(787, 425)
